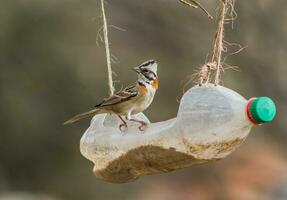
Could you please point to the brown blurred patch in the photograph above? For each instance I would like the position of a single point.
(251, 173)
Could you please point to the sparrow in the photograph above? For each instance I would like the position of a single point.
(131, 100)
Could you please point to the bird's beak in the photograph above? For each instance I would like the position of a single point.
(136, 69)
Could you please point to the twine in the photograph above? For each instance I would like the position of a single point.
(218, 42)
(107, 47)
(215, 63)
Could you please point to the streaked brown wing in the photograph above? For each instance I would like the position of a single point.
(121, 96)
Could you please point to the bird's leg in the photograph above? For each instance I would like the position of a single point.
(124, 124)
(143, 124)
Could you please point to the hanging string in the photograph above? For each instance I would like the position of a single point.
(107, 47)
(215, 63)
(218, 42)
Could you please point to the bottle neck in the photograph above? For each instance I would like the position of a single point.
(248, 111)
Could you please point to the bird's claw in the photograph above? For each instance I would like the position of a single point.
(143, 126)
(123, 127)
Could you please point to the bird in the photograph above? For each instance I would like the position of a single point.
(129, 101)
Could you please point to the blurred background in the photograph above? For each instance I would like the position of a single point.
(52, 68)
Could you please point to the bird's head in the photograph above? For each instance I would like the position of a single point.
(147, 70)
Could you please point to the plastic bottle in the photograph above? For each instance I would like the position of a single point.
(212, 122)
(219, 110)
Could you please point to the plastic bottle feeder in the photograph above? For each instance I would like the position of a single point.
(211, 123)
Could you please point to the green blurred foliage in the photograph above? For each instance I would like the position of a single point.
(52, 68)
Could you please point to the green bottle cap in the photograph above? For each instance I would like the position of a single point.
(263, 109)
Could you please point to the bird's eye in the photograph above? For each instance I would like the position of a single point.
(145, 70)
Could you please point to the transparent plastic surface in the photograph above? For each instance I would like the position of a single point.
(210, 124)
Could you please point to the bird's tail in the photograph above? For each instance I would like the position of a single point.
(83, 115)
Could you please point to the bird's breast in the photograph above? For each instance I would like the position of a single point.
(144, 100)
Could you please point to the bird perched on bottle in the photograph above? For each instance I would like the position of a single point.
(131, 100)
